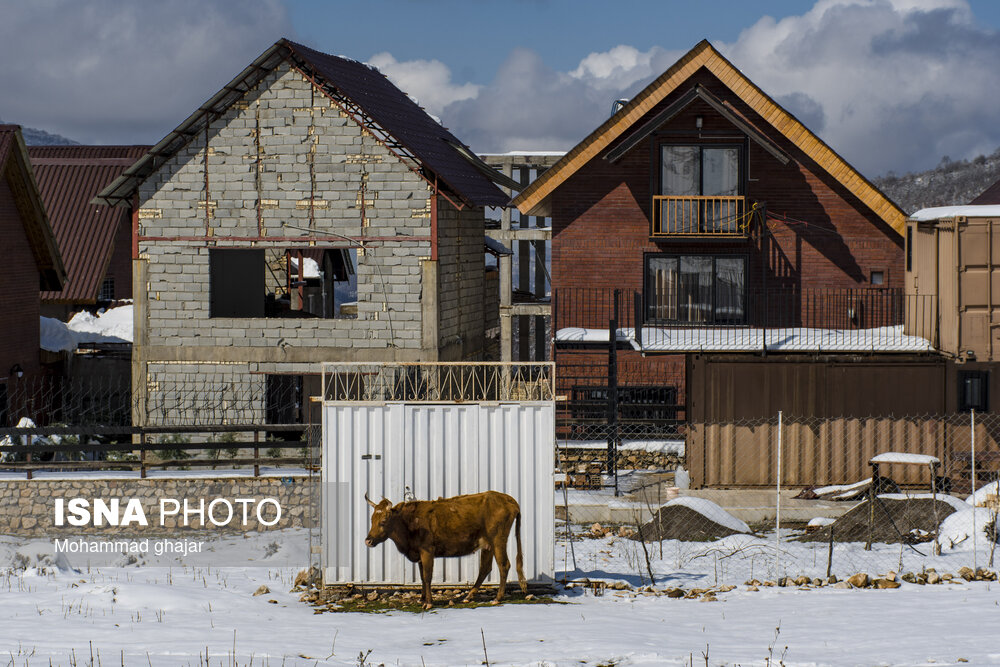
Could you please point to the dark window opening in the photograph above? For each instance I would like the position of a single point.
(107, 292)
(236, 282)
(694, 289)
(287, 399)
(973, 391)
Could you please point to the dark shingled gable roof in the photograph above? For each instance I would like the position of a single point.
(990, 195)
(416, 133)
(68, 178)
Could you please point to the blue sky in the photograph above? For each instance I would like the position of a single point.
(890, 84)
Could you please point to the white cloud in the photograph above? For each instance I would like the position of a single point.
(899, 82)
(427, 81)
(890, 84)
(104, 71)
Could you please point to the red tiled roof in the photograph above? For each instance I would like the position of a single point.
(68, 178)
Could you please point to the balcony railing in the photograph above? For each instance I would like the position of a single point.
(701, 216)
(832, 320)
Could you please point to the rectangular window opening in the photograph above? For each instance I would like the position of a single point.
(107, 292)
(283, 283)
(696, 289)
(703, 187)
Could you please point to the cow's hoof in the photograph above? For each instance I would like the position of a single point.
(495, 602)
(427, 606)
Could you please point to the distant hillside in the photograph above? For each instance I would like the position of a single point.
(34, 137)
(949, 184)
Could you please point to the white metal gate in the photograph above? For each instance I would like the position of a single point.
(428, 450)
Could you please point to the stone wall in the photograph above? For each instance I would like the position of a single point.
(27, 507)
(571, 459)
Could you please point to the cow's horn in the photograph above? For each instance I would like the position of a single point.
(369, 500)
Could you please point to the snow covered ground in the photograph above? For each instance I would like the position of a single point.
(152, 615)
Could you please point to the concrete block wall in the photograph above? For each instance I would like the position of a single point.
(268, 156)
(462, 281)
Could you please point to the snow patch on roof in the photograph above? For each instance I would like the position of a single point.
(797, 339)
(109, 326)
(311, 267)
(969, 211)
(901, 457)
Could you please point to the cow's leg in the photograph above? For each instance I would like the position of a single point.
(485, 565)
(426, 572)
(503, 563)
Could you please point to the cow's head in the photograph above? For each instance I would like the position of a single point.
(383, 518)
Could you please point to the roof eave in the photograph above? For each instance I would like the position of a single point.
(120, 191)
(705, 55)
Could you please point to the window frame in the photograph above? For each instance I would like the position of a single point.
(715, 320)
(701, 146)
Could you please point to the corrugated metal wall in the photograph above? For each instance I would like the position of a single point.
(827, 451)
(432, 451)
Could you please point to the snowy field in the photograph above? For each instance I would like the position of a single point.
(61, 612)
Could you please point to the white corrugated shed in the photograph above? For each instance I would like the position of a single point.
(433, 450)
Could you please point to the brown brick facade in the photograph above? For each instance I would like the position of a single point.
(817, 235)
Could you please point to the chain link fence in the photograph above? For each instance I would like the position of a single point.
(780, 500)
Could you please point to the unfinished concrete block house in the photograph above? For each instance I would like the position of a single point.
(747, 266)
(310, 211)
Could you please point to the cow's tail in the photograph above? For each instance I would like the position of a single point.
(519, 559)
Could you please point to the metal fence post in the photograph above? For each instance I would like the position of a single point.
(777, 508)
(975, 558)
(613, 393)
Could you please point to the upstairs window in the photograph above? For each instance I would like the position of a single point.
(693, 289)
(700, 171)
(236, 282)
(700, 189)
(251, 283)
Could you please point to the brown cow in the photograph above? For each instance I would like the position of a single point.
(424, 530)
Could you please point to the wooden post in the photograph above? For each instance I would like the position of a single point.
(142, 455)
(871, 506)
(937, 525)
(256, 453)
